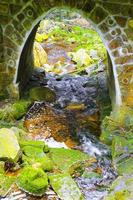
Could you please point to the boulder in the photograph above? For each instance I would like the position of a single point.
(9, 146)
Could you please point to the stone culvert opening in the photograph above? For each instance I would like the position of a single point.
(107, 17)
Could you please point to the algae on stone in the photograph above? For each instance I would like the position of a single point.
(9, 146)
(65, 187)
(33, 180)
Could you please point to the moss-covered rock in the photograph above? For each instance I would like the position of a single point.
(118, 123)
(33, 149)
(67, 160)
(44, 162)
(33, 180)
(122, 149)
(65, 187)
(15, 111)
(9, 146)
(121, 189)
(42, 94)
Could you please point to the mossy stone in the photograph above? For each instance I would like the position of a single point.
(15, 111)
(67, 160)
(65, 187)
(121, 189)
(33, 180)
(33, 149)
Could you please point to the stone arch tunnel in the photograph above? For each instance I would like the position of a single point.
(113, 20)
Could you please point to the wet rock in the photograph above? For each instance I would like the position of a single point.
(9, 146)
(33, 180)
(42, 94)
(65, 187)
(44, 121)
(67, 160)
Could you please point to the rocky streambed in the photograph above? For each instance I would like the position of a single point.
(50, 144)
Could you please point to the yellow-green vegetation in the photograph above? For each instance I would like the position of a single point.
(33, 180)
(65, 187)
(42, 94)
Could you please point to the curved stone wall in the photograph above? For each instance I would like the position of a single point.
(113, 20)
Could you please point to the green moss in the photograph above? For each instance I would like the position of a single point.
(65, 187)
(67, 160)
(42, 94)
(44, 163)
(33, 180)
